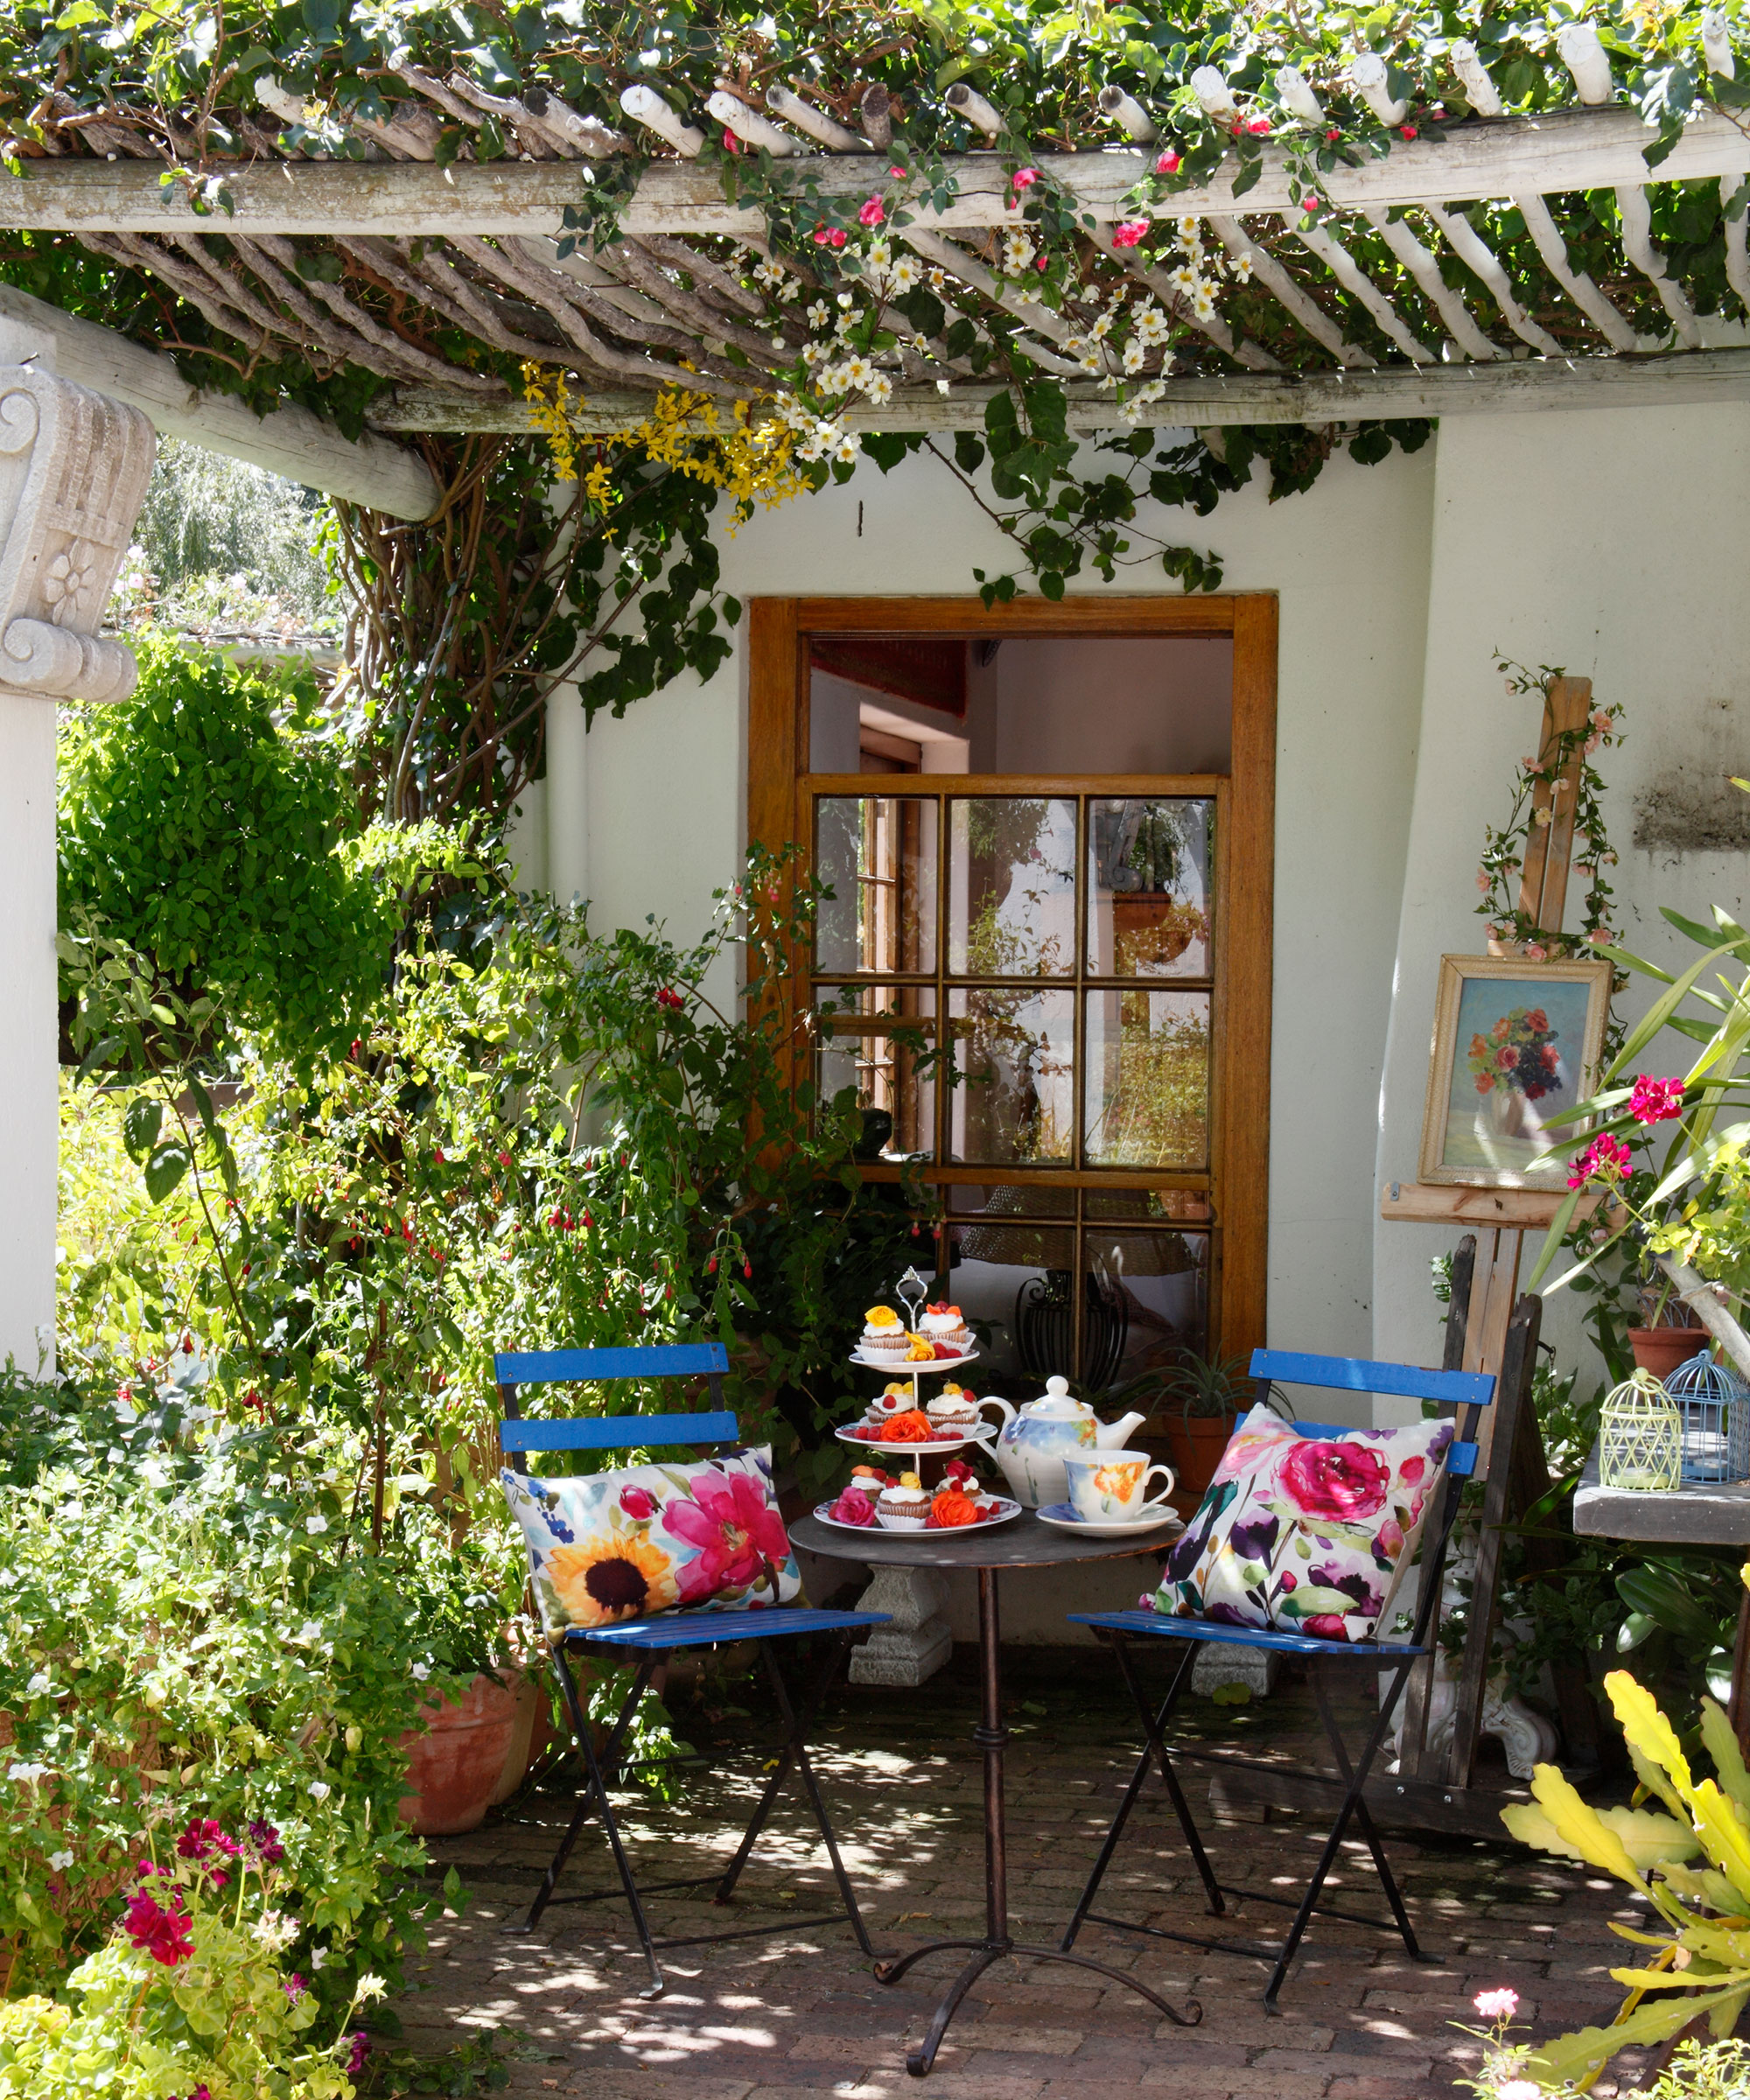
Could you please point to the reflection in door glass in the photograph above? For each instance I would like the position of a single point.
(1012, 887)
(878, 854)
(1013, 1094)
(1146, 1090)
(1011, 1280)
(1147, 1303)
(1148, 887)
(897, 1099)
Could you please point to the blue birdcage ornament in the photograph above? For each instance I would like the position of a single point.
(1714, 1402)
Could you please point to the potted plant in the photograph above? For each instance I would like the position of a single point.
(1669, 1334)
(1192, 1407)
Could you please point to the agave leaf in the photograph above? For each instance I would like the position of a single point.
(1720, 1742)
(1581, 1827)
(1646, 1728)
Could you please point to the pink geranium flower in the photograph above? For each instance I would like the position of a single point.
(166, 1934)
(1655, 1100)
(1258, 126)
(1129, 232)
(739, 1533)
(1604, 1159)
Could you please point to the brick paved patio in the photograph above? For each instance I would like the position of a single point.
(797, 2016)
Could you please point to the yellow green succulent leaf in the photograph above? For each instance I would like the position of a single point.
(1703, 1885)
(1575, 2056)
(1645, 1727)
(1727, 1843)
(1591, 1838)
(1653, 1782)
(1720, 1742)
(1649, 1837)
(1723, 2018)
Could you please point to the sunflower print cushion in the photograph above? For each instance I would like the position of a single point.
(1305, 1534)
(607, 1547)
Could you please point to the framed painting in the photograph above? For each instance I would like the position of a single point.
(1516, 1044)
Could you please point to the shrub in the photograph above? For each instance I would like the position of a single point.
(201, 823)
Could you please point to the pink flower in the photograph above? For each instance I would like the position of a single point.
(1604, 1159)
(1496, 2005)
(1258, 126)
(1325, 1626)
(1603, 937)
(361, 2048)
(1600, 721)
(1310, 207)
(1025, 178)
(294, 1987)
(1129, 232)
(821, 236)
(1332, 135)
(873, 212)
(1391, 1538)
(1412, 1471)
(1342, 1481)
(164, 1935)
(637, 1502)
(1482, 880)
(1655, 1100)
(1168, 163)
(1406, 130)
(1536, 953)
(836, 238)
(899, 175)
(739, 1533)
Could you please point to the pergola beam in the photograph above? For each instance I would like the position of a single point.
(1391, 393)
(1574, 150)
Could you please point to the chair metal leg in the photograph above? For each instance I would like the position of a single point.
(588, 1799)
(1153, 1746)
(798, 1735)
(1363, 1818)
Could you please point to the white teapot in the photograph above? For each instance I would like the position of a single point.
(1037, 1438)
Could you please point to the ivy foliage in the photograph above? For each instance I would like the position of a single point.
(206, 825)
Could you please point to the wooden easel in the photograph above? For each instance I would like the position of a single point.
(1490, 1328)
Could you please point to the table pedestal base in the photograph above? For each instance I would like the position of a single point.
(985, 1952)
(991, 1736)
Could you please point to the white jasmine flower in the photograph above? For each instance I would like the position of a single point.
(319, 1957)
(819, 313)
(1204, 304)
(1190, 228)
(790, 290)
(315, 1525)
(1101, 327)
(881, 253)
(847, 451)
(26, 1775)
(1017, 252)
(38, 1685)
(1150, 322)
(61, 1861)
(846, 300)
(812, 355)
(1091, 363)
(856, 372)
(1135, 351)
(1242, 268)
(1184, 280)
(319, 1789)
(937, 279)
(422, 1671)
(769, 274)
(879, 388)
(905, 273)
(307, 1633)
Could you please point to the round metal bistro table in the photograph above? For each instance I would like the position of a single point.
(1024, 1543)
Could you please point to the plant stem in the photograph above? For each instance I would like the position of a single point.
(1698, 1293)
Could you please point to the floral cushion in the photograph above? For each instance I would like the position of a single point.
(604, 1547)
(1309, 1535)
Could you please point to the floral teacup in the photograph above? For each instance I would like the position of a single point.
(1111, 1487)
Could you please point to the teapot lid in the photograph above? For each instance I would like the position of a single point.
(1056, 1400)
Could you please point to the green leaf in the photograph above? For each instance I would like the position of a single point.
(166, 1169)
(140, 1126)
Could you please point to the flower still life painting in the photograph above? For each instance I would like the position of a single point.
(1516, 1047)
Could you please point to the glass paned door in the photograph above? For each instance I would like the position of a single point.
(1024, 990)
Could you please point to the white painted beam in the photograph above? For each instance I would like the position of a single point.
(1513, 385)
(1288, 294)
(1355, 281)
(290, 441)
(1423, 267)
(1574, 150)
(1475, 253)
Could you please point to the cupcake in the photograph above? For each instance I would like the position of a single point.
(905, 1507)
(953, 1409)
(885, 1335)
(942, 1323)
(896, 1400)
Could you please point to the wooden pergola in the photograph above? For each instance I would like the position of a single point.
(1390, 303)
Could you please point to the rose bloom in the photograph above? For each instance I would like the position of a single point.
(1506, 1058)
(1129, 232)
(1344, 1482)
(1496, 2005)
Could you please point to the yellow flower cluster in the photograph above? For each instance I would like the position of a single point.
(552, 418)
(751, 462)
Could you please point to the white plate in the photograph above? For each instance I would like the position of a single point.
(1006, 1513)
(902, 1366)
(951, 1442)
(1064, 1519)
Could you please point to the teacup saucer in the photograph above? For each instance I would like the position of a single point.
(1065, 1518)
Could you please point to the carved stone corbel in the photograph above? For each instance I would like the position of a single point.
(73, 469)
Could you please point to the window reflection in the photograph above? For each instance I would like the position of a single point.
(1012, 887)
(1012, 1099)
(1146, 1087)
(878, 854)
(1149, 895)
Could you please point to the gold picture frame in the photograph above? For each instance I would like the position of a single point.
(1505, 1056)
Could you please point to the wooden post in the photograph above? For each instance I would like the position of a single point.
(1543, 880)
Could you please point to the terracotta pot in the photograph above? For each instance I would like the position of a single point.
(1193, 1445)
(1662, 1349)
(457, 1760)
(529, 1699)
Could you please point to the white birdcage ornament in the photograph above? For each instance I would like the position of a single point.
(1641, 1436)
(1713, 1403)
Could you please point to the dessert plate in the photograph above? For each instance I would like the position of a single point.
(1065, 1518)
(950, 1439)
(903, 1366)
(1006, 1512)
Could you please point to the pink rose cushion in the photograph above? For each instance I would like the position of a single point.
(607, 1547)
(1305, 1534)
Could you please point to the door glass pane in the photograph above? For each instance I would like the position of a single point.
(1012, 1282)
(994, 1201)
(1012, 887)
(1013, 1093)
(900, 1002)
(1146, 1303)
(878, 854)
(1148, 887)
(1148, 1206)
(1146, 1097)
(898, 1100)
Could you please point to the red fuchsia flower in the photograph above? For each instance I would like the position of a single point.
(1344, 1482)
(1604, 1159)
(1259, 127)
(164, 1935)
(873, 212)
(637, 1502)
(739, 1533)
(1655, 1100)
(1025, 178)
(1168, 163)
(711, 1266)
(747, 1271)
(264, 1847)
(1129, 232)
(361, 2048)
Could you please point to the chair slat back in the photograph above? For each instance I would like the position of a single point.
(613, 1432)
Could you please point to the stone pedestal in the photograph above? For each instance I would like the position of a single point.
(1220, 1663)
(917, 1643)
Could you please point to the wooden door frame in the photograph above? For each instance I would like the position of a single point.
(778, 744)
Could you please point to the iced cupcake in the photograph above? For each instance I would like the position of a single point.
(885, 1338)
(953, 1409)
(896, 1400)
(942, 1323)
(906, 1506)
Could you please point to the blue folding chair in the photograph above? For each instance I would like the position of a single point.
(1468, 1391)
(652, 1641)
